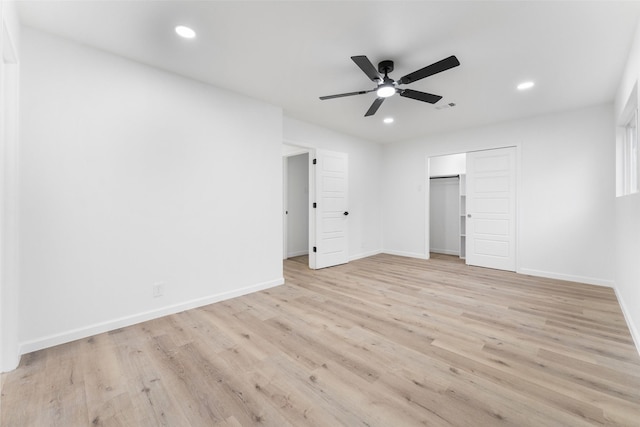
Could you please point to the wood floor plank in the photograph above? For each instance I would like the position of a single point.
(381, 341)
(151, 400)
(66, 403)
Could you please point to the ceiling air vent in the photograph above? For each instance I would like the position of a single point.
(445, 106)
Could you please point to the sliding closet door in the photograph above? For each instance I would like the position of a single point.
(491, 208)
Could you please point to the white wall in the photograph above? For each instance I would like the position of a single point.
(452, 164)
(566, 177)
(9, 192)
(131, 176)
(627, 209)
(298, 205)
(365, 166)
(444, 218)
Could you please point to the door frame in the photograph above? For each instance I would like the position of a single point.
(467, 149)
(295, 149)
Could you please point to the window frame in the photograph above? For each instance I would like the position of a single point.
(628, 153)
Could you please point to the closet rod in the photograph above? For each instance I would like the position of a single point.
(443, 177)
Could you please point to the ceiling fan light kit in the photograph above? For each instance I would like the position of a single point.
(385, 90)
(387, 87)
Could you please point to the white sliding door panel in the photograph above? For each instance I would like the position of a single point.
(331, 212)
(491, 208)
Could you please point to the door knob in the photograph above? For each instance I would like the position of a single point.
(346, 213)
(468, 215)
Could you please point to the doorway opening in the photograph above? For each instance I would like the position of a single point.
(447, 204)
(296, 207)
(296, 199)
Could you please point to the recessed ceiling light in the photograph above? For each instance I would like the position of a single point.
(388, 120)
(525, 85)
(185, 32)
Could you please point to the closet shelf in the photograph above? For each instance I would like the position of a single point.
(463, 215)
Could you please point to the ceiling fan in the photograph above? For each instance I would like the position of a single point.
(387, 87)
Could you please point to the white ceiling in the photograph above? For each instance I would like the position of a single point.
(289, 53)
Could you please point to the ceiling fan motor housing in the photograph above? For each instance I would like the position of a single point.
(385, 67)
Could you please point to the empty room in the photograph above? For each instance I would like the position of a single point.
(319, 213)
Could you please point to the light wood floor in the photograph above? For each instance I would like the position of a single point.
(383, 341)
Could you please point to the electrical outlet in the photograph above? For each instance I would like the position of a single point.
(158, 289)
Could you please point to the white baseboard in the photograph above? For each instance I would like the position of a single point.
(405, 254)
(10, 363)
(567, 277)
(445, 251)
(635, 334)
(98, 328)
(364, 255)
(298, 253)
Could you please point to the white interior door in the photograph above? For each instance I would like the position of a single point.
(329, 245)
(491, 208)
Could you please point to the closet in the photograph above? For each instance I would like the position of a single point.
(447, 204)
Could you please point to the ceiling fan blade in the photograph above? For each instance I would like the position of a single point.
(340, 95)
(366, 66)
(374, 107)
(429, 70)
(420, 96)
